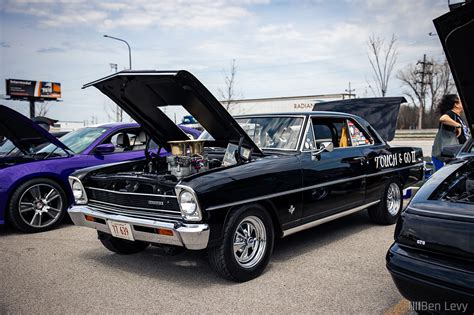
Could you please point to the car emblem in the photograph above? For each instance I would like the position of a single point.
(155, 203)
(292, 209)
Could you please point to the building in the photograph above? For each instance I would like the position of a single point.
(281, 104)
(67, 125)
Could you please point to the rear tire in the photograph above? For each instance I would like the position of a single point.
(388, 210)
(247, 244)
(121, 246)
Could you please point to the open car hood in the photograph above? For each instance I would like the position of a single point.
(456, 32)
(142, 94)
(380, 112)
(24, 132)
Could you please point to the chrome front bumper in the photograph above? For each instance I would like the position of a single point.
(190, 236)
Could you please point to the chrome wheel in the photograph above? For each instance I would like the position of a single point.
(250, 241)
(394, 197)
(40, 205)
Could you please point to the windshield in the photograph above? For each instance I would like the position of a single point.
(8, 148)
(77, 140)
(280, 133)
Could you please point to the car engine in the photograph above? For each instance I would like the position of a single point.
(156, 174)
(187, 158)
(459, 187)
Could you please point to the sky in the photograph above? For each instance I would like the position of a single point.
(281, 48)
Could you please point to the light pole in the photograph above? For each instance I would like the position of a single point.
(129, 50)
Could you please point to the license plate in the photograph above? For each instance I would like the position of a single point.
(121, 230)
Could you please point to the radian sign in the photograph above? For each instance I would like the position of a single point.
(25, 89)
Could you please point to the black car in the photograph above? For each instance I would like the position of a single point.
(244, 182)
(432, 259)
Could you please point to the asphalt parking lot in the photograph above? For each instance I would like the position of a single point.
(338, 267)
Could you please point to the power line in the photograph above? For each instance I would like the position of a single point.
(425, 73)
(349, 91)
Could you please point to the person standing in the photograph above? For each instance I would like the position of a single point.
(452, 128)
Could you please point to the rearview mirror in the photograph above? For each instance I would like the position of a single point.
(105, 148)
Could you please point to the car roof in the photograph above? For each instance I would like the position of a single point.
(331, 114)
(115, 124)
(310, 113)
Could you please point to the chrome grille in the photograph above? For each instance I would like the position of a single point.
(149, 201)
(144, 206)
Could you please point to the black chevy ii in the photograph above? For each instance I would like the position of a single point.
(432, 259)
(247, 181)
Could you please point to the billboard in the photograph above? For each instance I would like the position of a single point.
(26, 89)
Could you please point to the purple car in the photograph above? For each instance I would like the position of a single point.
(34, 165)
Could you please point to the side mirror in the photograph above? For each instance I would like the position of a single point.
(449, 152)
(327, 146)
(323, 146)
(105, 148)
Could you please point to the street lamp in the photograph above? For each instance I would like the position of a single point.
(129, 50)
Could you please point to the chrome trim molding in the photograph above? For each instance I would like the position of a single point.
(177, 211)
(335, 182)
(308, 124)
(130, 193)
(327, 219)
(190, 236)
(178, 188)
(135, 213)
(395, 170)
(300, 134)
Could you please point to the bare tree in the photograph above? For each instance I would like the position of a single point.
(43, 108)
(438, 82)
(228, 94)
(408, 117)
(382, 58)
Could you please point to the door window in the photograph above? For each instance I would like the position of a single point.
(342, 132)
(128, 140)
(309, 142)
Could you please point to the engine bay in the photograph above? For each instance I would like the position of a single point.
(157, 174)
(459, 187)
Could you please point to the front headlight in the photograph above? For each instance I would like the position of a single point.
(78, 191)
(188, 204)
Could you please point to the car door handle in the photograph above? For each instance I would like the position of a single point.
(359, 159)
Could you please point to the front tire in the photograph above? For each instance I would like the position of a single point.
(388, 210)
(121, 246)
(37, 205)
(247, 244)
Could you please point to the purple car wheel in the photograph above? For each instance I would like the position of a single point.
(37, 205)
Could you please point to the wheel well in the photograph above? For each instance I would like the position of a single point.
(273, 213)
(53, 178)
(270, 207)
